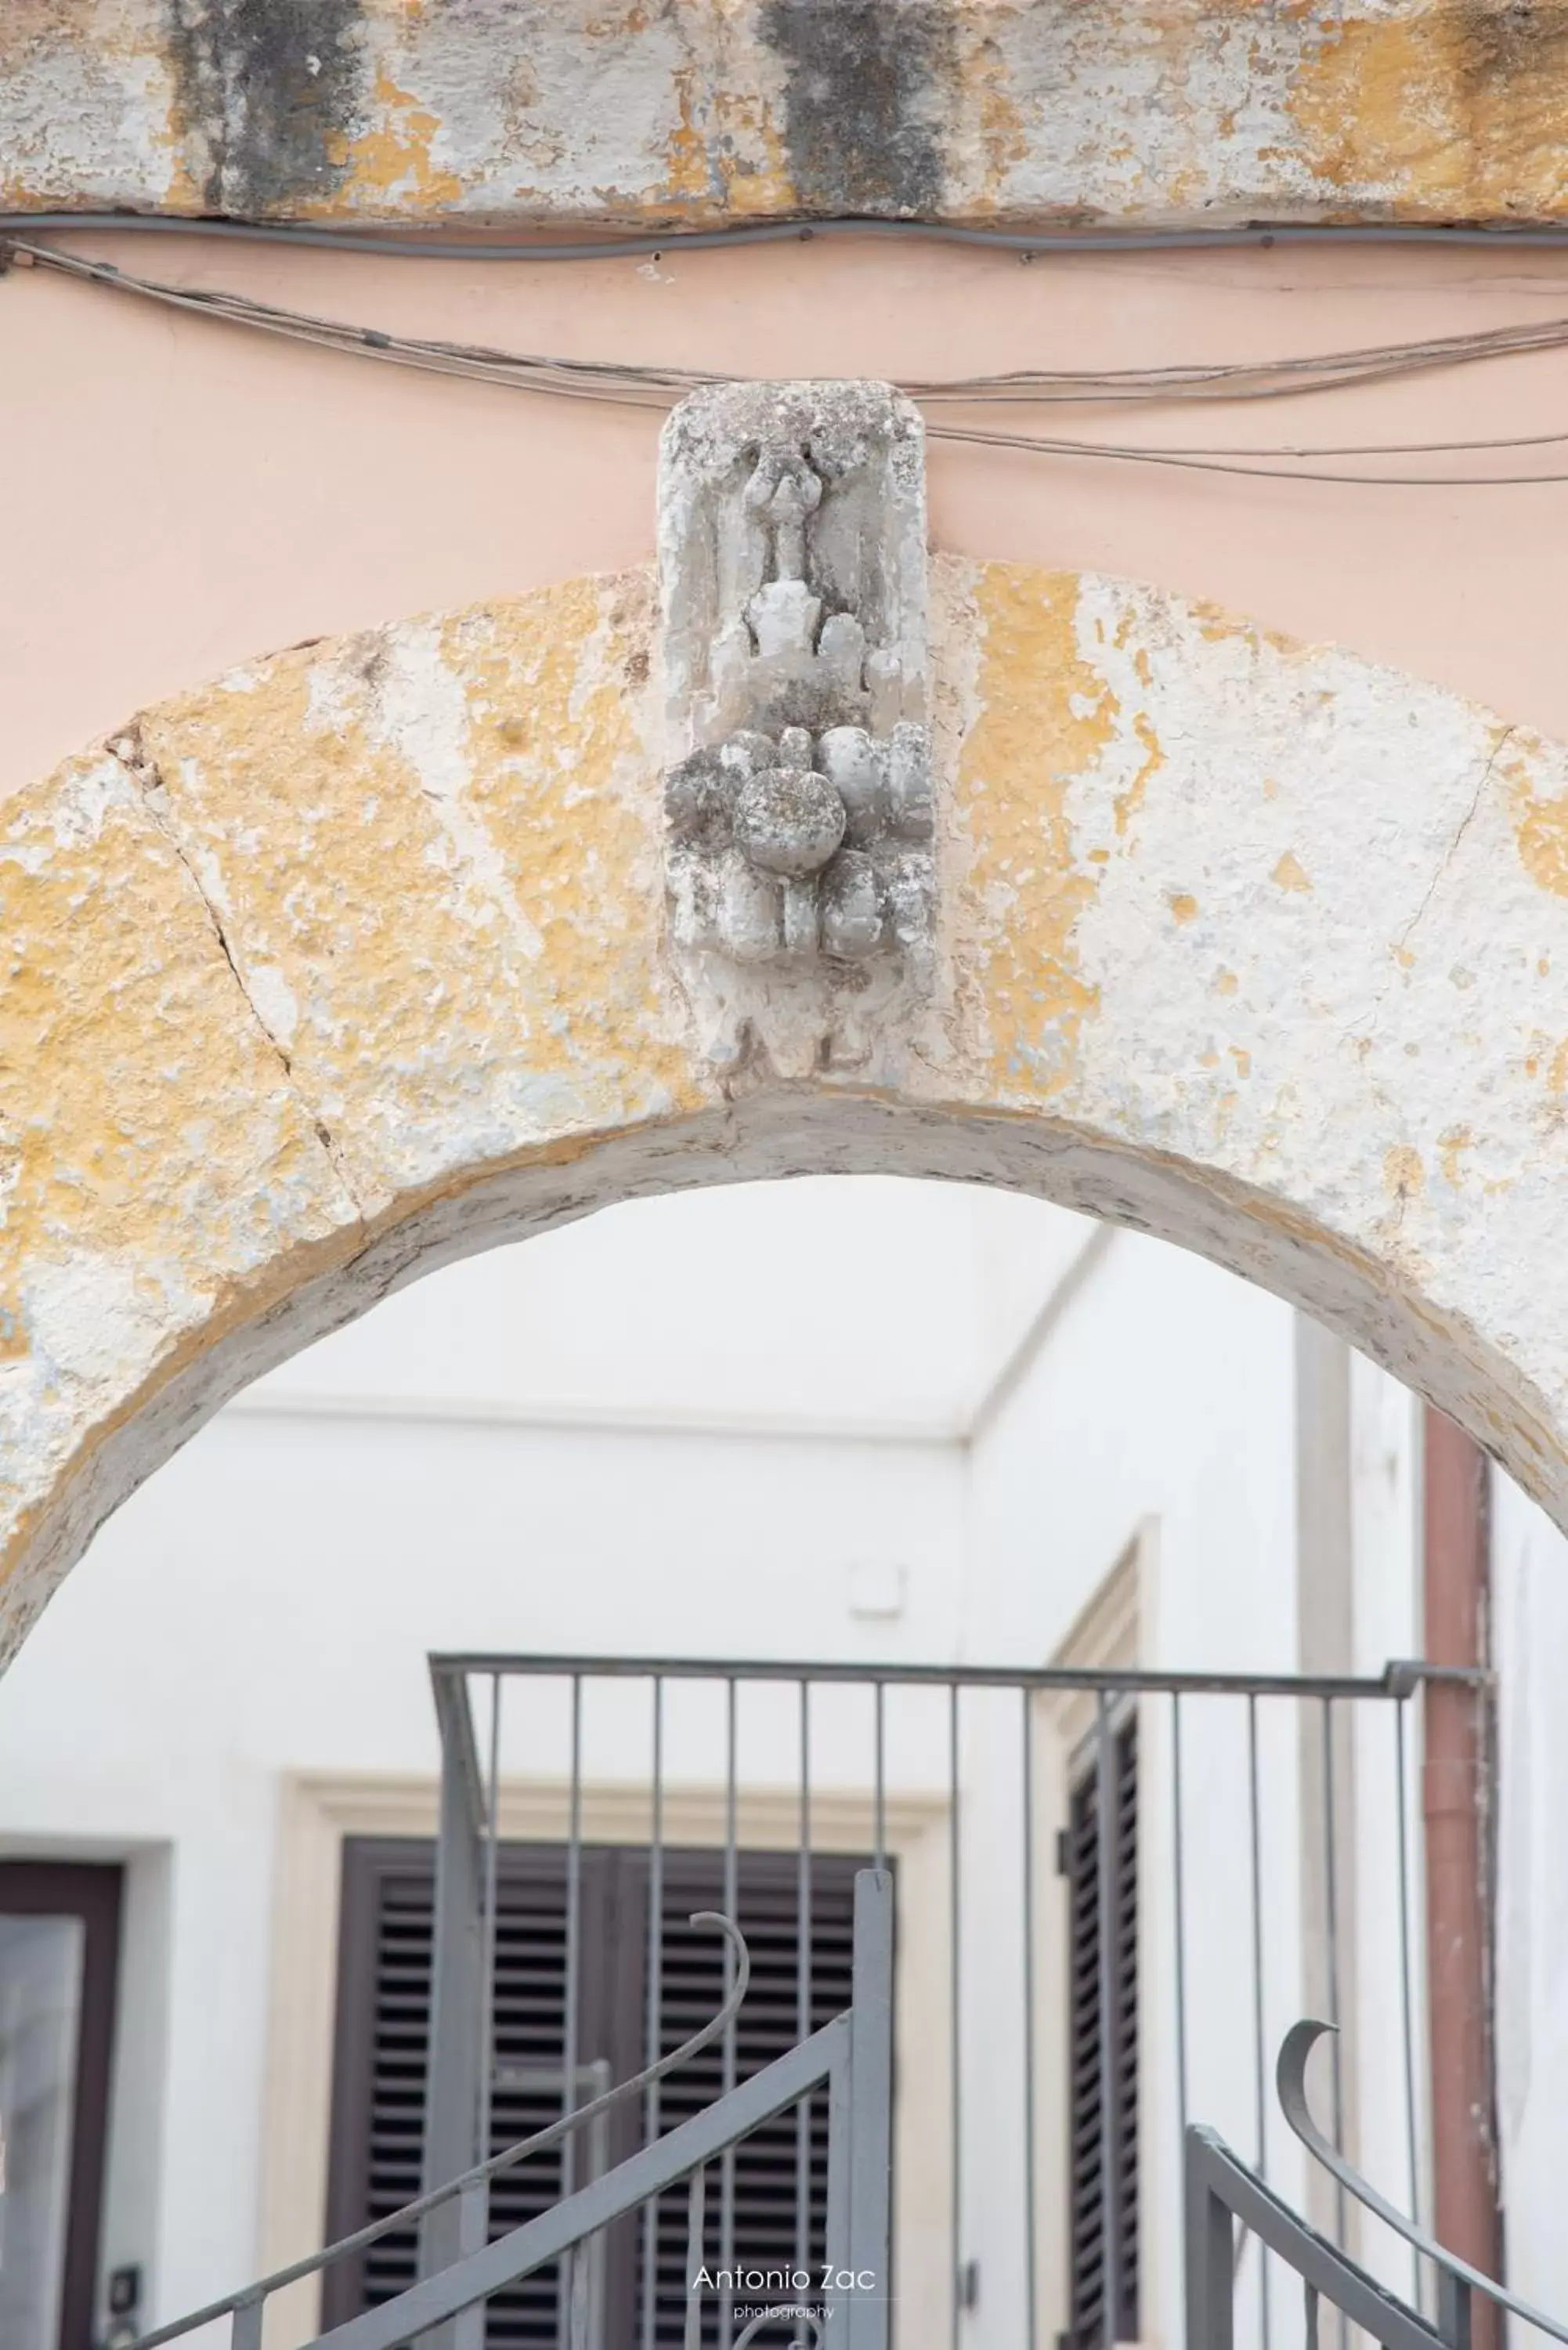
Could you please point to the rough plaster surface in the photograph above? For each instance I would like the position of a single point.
(1193, 112)
(356, 960)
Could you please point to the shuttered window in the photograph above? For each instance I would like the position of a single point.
(383, 2022)
(1103, 2053)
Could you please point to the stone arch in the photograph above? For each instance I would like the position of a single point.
(358, 960)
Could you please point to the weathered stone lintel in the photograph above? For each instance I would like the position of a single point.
(549, 113)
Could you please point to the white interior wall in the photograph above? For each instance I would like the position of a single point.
(1162, 1407)
(571, 1447)
(578, 1446)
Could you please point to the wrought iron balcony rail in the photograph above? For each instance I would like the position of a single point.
(848, 2305)
(1018, 1874)
(1221, 2190)
(470, 2189)
(1278, 1731)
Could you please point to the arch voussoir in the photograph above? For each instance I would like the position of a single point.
(365, 956)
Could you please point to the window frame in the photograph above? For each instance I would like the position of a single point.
(611, 1993)
(93, 1891)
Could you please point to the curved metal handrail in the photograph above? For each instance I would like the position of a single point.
(248, 2295)
(1289, 2081)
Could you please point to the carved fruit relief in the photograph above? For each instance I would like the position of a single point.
(798, 806)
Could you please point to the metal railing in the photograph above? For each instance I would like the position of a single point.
(844, 2307)
(1221, 2190)
(960, 1790)
(1247, 1902)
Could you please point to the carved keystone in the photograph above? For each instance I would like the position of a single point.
(791, 549)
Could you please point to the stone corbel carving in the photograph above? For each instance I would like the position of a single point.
(791, 543)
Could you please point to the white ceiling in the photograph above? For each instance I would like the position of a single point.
(859, 1303)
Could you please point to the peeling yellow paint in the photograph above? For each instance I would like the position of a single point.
(394, 922)
(1441, 113)
(1540, 829)
(982, 89)
(689, 178)
(586, 863)
(1451, 1146)
(1128, 803)
(499, 898)
(754, 161)
(1044, 716)
(1404, 111)
(395, 159)
(118, 1001)
(1403, 1176)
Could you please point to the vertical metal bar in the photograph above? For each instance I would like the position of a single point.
(581, 2265)
(1260, 2065)
(879, 1798)
(1178, 1920)
(695, 2230)
(246, 2332)
(955, 2034)
(871, 2112)
(835, 2310)
(1453, 2310)
(1406, 1993)
(1331, 1930)
(1210, 2317)
(731, 1906)
(802, 1957)
(451, 2101)
(491, 1871)
(467, 2329)
(1105, 1895)
(1031, 2274)
(1309, 2293)
(1331, 1935)
(565, 2276)
(653, 2038)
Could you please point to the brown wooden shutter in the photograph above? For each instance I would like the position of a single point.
(383, 2020)
(1103, 2066)
(765, 2202)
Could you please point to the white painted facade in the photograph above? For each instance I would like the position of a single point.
(835, 1419)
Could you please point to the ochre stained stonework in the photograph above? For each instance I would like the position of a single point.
(357, 959)
(1137, 113)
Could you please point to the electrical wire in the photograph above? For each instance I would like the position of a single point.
(1288, 378)
(1183, 461)
(657, 242)
(638, 385)
(1224, 380)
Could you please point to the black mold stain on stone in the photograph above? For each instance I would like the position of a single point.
(866, 89)
(1513, 70)
(269, 92)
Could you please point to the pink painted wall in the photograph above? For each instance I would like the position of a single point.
(179, 494)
